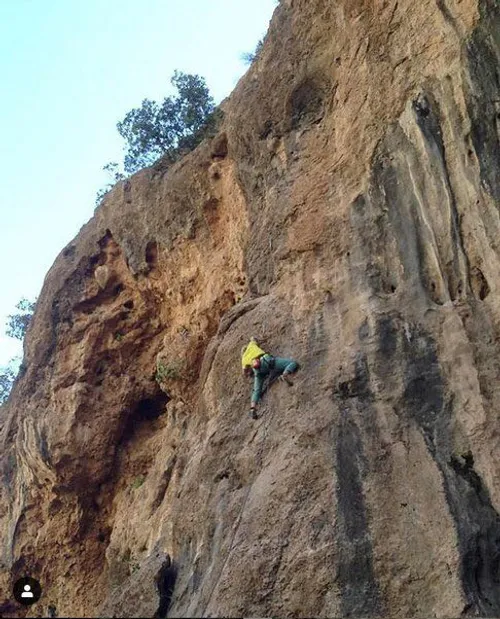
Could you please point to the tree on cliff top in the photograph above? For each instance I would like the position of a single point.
(169, 127)
(17, 324)
(7, 377)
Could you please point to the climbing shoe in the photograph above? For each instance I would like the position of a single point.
(284, 378)
(253, 413)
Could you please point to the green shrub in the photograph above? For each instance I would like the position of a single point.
(138, 482)
(112, 169)
(171, 371)
(249, 57)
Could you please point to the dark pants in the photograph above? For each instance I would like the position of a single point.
(282, 365)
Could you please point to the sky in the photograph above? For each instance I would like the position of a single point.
(71, 69)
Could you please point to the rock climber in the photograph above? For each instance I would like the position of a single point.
(262, 365)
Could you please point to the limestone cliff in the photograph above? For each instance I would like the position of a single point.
(347, 213)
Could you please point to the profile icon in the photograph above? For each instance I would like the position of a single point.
(27, 591)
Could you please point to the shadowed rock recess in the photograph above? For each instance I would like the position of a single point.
(347, 214)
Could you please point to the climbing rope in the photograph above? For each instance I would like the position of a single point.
(238, 520)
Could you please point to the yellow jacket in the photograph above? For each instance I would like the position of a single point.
(251, 352)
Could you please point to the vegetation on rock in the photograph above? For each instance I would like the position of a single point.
(112, 168)
(165, 371)
(17, 325)
(7, 376)
(249, 57)
(165, 129)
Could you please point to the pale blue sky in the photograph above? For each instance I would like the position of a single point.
(70, 70)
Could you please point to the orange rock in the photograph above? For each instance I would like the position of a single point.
(347, 215)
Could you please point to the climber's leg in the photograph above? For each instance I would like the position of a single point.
(284, 367)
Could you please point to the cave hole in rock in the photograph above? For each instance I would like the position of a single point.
(165, 583)
(152, 254)
(306, 103)
(145, 411)
(105, 239)
(150, 408)
(94, 261)
(128, 305)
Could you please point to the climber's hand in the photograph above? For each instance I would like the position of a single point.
(284, 378)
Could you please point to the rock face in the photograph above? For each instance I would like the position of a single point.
(347, 214)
